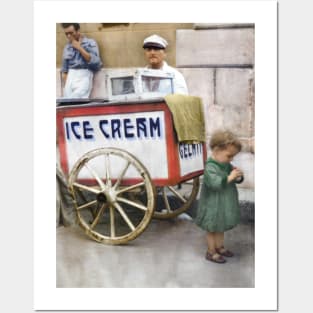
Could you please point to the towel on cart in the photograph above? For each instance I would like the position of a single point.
(188, 117)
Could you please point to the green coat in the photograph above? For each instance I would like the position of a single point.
(218, 208)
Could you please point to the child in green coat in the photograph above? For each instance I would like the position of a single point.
(218, 209)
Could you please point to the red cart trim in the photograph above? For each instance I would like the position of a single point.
(174, 176)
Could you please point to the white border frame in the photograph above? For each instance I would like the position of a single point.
(264, 15)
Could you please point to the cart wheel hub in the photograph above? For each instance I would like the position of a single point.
(101, 197)
(107, 196)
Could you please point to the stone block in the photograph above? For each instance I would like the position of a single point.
(89, 29)
(245, 161)
(199, 82)
(237, 119)
(221, 25)
(154, 28)
(214, 119)
(215, 47)
(233, 87)
(59, 28)
(60, 43)
(99, 89)
(234, 95)
(218, 117)
(58, 84)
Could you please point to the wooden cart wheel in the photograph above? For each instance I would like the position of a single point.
(106, 211)
(174, 200)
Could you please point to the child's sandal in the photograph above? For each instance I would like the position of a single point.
(224, 252)
(215, 257)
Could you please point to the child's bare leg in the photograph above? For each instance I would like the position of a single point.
(211, 242)
(212, 254)
(219, 240)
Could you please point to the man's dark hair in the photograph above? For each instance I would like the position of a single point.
(66, 25)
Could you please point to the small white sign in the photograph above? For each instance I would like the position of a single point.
(190, 157)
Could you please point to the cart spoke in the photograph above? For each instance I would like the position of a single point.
(130, 188)
(95, 175)
(177, 194)
(107, 171)
(84, 187)
(122, 175)
(81, 195)
(132, 203)
(99, 214)
(125, 217)
(119, 212)
(86, 205)
(112, 222)
(167, 205)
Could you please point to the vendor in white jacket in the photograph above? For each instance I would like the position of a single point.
(154, 47)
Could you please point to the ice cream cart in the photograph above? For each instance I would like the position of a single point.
(122, 158)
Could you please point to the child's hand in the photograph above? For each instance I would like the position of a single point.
(234, 174)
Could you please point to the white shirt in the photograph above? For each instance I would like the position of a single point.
(179, 82)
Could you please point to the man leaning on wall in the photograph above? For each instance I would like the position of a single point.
(80, 60)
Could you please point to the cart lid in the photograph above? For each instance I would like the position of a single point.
(77, 101)
(104, 102)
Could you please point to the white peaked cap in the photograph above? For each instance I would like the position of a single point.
(155, 41)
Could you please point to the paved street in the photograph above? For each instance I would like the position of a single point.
(169, 253)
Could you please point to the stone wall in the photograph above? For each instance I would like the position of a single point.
(217, 62)
(120, 44)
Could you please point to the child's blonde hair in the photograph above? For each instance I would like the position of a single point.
(222, 138)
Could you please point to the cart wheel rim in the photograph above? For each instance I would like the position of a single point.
(174, 200)
(104, 209)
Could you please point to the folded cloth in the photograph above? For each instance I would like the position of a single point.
(188, 117)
